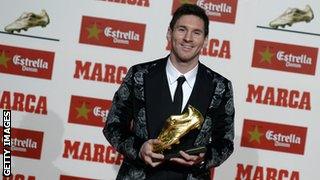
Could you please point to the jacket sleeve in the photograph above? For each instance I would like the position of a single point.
(117, 129)
(222, 113)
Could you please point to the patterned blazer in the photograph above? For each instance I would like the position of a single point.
(129, 119)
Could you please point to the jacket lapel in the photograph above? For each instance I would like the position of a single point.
(202, 91)
(158, 98)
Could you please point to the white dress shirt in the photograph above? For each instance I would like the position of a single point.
(173, 74)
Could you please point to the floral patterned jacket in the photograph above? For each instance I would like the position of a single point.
(126, 125)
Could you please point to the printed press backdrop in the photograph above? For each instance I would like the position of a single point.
(59, 81)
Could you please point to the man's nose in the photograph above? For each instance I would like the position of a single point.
(188, 36)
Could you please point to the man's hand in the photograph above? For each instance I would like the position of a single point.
(149, 157)
(188, 160)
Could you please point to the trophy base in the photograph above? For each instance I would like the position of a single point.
(193, 151)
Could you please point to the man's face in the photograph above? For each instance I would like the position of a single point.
(187, 38)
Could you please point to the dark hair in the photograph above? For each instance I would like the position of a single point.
(191, 9)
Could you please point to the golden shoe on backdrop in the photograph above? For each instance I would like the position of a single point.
(28, 20)
(291, 16)
(177, 126)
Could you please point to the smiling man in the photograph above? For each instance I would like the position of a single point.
(151, 92)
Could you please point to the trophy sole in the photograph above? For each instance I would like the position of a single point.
(193, 151)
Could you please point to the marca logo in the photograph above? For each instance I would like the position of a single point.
(279, 97)
(250, 172)
(64, 177)
(112, 33)
(217, 10)
(144, 3)
(98, 72)
(88, 111)
(23, 102)
(19, 176)
(26, 62)
(25, 143)
(272, 136)
(215, 48)
(284, 57)
(86, 151)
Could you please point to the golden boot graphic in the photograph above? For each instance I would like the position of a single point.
(291, 16)
(28, 20)
(177, 126)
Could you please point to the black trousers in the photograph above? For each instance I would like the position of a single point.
(168, 171)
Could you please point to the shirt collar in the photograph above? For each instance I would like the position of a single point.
(173, 74)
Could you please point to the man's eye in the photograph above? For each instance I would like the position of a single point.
(197, 33)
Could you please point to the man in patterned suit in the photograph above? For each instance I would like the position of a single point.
(146, 99)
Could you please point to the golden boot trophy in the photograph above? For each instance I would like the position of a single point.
(177, 126)
(291, 16)
(28, 20)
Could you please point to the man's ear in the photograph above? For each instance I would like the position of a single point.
(169, 34)
(205, 43)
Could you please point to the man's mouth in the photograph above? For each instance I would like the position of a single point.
(186, 47)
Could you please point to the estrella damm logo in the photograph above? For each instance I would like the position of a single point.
(217, 10)
(88, 111)
(284, 57)
(25, 143)
(112, 33)
(273, 136)
(26, 62)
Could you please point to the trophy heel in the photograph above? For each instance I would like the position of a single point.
(197, 126)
